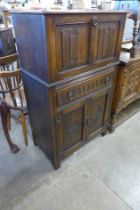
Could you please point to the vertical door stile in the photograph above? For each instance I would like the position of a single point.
(60, 133)
(107, 109)
(85, 116)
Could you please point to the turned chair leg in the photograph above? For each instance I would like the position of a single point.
(24, 128)
(9, 119)
(4, 110)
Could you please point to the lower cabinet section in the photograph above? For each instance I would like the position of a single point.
(81, 121)
(66, 116)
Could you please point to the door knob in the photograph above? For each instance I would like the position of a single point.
(94, 21)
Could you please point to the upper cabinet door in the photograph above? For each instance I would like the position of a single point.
(72, 46)
(82, 42)
(104, 40)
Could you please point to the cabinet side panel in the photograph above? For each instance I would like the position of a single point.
(40, 116)
(31, 43)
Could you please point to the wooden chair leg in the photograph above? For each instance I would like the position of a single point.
(24, 128)
(9, 119)
(4, 118)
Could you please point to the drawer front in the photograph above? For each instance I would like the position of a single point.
(83, 43)
(75, 90)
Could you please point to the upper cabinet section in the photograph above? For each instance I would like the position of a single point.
(81, 43)
(65, 44)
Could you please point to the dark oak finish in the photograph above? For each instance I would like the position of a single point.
(69, 64)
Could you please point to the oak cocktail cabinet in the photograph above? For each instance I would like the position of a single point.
(69, 64)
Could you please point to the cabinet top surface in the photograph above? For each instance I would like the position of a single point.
(61, 12)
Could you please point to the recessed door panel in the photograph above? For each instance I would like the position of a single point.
(71, 131)
(73, 128)
(104, 42)
(72, 46)
(96, 110)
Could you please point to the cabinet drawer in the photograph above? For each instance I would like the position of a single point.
(75, 90)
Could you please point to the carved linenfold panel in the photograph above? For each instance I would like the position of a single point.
(72, 127)
(104, 37)
(96, 114)
(73, 46)
(66, 95)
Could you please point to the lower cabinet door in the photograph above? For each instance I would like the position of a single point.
(97, 119)
(71, 128)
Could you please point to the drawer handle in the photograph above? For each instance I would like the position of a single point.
(88, 123)
(107, 79)
(94, 21)
(70, 95)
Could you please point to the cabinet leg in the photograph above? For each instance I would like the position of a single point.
(111, 129)
(112, 123)
(56, 166)
(56, 162)
(105, 129)
(33, 135)
(104, 133)
(35, 143)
